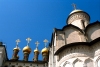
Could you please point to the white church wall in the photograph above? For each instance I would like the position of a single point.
(77, 62)
(60, 39)
(93, 32)
(50, 56)
(73, 35)
(76, 18)
(52, 59)
(96, 49)
(97, 61)
(80, 50)
(77, 23)
(89, 55)
(88, 63)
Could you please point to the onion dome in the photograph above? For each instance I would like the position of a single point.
(36, 50)
(45, 50)
(27, 49)
(16, 48)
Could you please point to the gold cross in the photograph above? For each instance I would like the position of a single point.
(28, 40)
(37, 43)
(74, 5)
(17, 41)
(45, 42)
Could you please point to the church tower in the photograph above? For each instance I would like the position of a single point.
(45, 51)
(79, 18)
(36, 52)
(27, 50)
(15, 56)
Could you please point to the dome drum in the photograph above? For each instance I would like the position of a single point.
(15, 57)
(76, 16)
(26, 56)
(44, 54)
(16, 48)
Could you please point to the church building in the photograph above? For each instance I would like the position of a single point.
(77, 44)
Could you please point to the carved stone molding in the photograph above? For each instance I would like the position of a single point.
(76, 51)
(78, 16)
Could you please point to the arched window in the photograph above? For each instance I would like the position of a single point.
(88, 63)
(67, 64)
(77, 63)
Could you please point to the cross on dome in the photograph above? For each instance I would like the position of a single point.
(28, 40)
(45, 42)
(37, 43)
(74, 5)
(17, 41)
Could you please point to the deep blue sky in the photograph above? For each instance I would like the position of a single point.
(36, 19)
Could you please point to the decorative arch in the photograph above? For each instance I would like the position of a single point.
(98, 62)
(67, 64)
(77, 63)
(88, 63)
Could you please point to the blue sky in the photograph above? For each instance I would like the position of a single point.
(36, 19)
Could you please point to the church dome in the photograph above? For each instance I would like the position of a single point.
(27, 49)
(16, 48)
(44, 50)
(76, 10)
(36, 50)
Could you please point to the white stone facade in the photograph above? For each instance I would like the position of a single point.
(76, 44)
